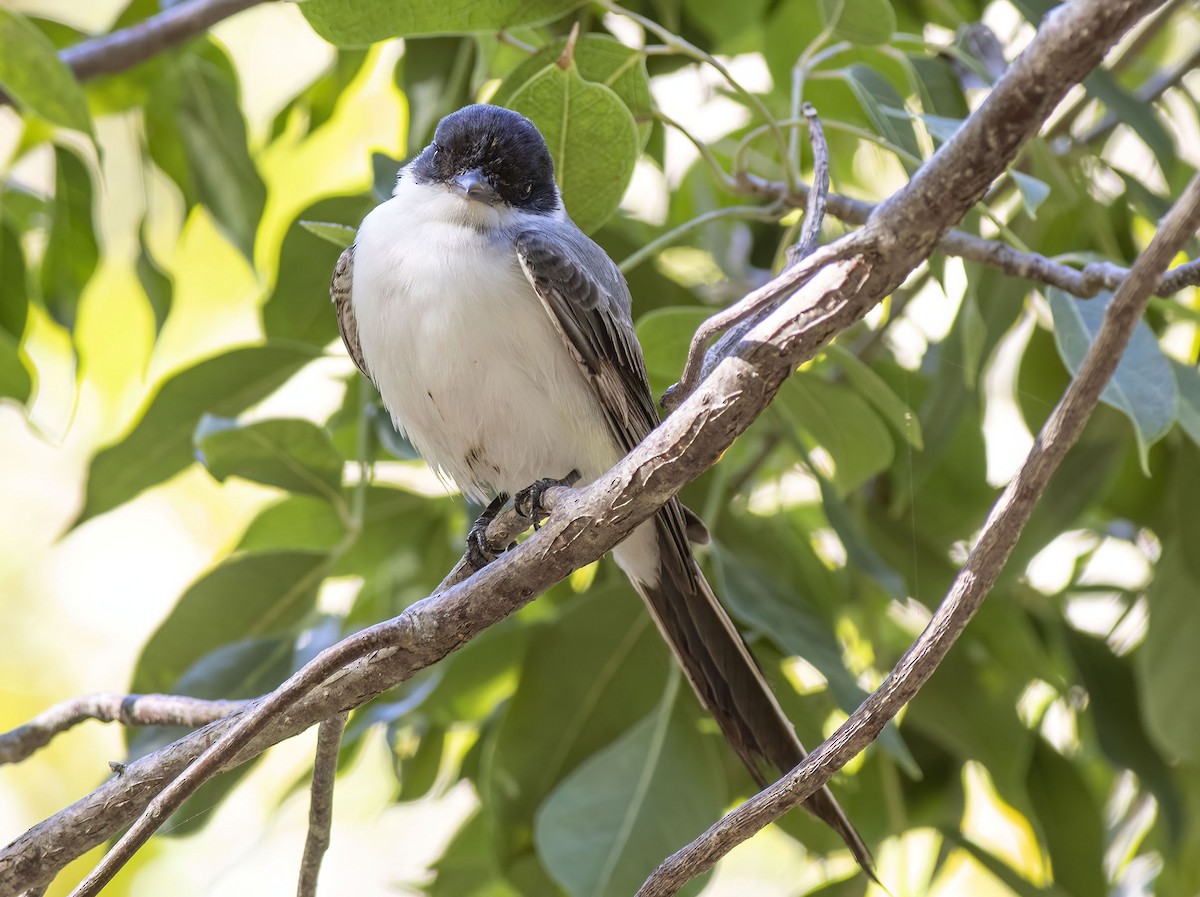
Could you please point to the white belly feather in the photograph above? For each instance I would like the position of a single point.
(466, 358)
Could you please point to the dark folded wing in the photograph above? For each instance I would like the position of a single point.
(588, 301)
(340, 288)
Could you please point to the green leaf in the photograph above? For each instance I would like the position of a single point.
(160, 446)
(246, 596)
(295, 522)
(1033, 191)
(291, 454)
(31, 71)
(842, 423)
(355, 23)
(1071, 821)
(417, 750)
(665, 335)
(608, 826)
(1167, 664)
(434, 74)
(600, 59)
(299, 306)
(156, 283)
(1187, 381)
(1143, 387)
(588, 676)
(868, 384)
(340, 235)
(883, 106)
(196, 133)
(941, 128)
(470, 867)
(863, 22)
(72, 252)
(592, 137)
(15, 381)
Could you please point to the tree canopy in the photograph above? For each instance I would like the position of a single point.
(203, 493)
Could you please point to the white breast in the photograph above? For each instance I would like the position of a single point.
(465, 356)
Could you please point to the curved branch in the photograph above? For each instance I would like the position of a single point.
(131, 46)
(320, 810)
(974, 581)
(591, 520)
(108, 707)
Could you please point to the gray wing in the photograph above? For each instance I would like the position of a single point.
(340, 288)
(588, 301)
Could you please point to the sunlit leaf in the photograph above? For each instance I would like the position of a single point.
(592, 137)
(161, 444)
(360, 22)
(883, 106)
(863, 22)
(842, 423)
(290, 454)
(340, 235)
(72, 251)
(601, 60)
(196, 133)
(1143, 387)
(31, 71)
(1033, 192)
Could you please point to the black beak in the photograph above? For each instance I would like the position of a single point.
(473, 185)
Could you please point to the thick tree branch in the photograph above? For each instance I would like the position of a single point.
(593, 519)
(320, 809)
(131, 46)
(975, 579)
(130, 710)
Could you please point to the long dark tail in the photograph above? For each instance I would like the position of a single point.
(725, 676)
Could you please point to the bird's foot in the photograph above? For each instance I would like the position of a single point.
(480, 550)
(528, 502)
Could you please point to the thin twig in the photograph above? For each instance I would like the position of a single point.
(975, 579)
(1083, 282)
(108, 707)
(818, 196)
(738, 319)
(320, 808)
(749, 308)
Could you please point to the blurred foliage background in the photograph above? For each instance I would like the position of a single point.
(184, 441)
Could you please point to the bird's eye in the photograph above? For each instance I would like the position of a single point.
(528, 189)
(437, 151)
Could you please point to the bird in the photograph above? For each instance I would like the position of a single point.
(500, 338)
